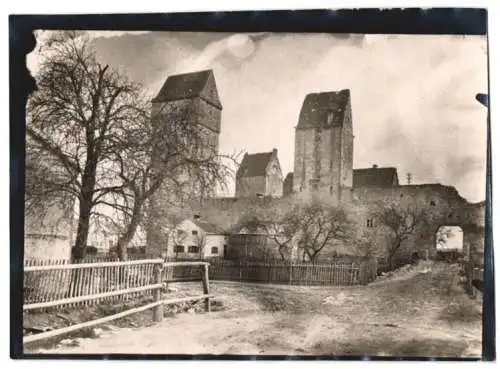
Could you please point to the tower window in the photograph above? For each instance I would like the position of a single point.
(369, 223)
(329, 117)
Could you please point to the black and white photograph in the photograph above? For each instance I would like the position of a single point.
(255, 193)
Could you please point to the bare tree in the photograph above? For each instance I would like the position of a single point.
(282, 230)
(315, 227)
(110, 155)
(79, 107)
(402, 222)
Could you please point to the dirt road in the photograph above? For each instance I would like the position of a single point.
(411, 314)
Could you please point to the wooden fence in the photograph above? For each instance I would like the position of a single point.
(280, 272)
(472, 272)
(62, 285)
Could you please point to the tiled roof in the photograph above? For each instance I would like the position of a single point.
(208, 227)
(254, 165)
(375, 177)
(317, 106)
(189, 85)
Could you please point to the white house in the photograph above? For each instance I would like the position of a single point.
(194, 238)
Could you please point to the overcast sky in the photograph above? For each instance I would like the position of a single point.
(413, 97)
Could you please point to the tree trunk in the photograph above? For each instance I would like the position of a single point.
(129, 234)
(86, 197)
(78, 251)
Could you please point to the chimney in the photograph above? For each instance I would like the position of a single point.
(375, 166)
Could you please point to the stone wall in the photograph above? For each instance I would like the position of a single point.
(249, 187)
(347, 150)
(444, 204)
(48, 233)
(274, 178)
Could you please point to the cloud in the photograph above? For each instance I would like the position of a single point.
(413, 96)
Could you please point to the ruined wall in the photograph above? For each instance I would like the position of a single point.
(444, 204)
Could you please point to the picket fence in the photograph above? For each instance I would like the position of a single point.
(54, 280)
(280, 272)
(61, 284)
(105, 276)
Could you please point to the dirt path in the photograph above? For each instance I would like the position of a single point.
(417, 315)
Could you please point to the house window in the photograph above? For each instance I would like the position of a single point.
(369, 223)
(194, 233)
(178, 249)
(215, 250)
(193, 249)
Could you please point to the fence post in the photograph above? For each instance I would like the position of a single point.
(206, 287)
(158, 310)
(468, 274)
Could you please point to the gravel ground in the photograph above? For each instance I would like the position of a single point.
(416, 311)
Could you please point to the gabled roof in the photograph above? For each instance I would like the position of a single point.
(208, 227)
(255, 165)
(190, 85)
(375, 177)
(316, 107)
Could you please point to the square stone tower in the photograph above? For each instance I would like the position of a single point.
(191, 99)
(324, 145)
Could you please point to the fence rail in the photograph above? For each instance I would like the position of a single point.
(70, 283)
(62, 284)
(280, 272)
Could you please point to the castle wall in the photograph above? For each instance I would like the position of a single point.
(250, 186)
(448, 209)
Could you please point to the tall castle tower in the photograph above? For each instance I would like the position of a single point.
(190, 98)
(324, 145)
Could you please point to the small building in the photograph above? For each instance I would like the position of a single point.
(196, 239)
(375, 177)
(257, 240)
(259, 174)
